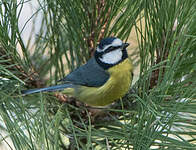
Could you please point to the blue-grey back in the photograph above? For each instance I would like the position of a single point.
(89, 74)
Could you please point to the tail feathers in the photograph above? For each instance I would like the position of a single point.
(51, 88)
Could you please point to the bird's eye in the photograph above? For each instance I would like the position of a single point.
(110, 48)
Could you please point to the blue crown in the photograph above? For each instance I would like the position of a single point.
(105, 42)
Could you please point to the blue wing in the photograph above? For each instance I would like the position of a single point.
(90, 74)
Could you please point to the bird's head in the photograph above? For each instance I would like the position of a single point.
(110, 51)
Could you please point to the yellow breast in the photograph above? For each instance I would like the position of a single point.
(116, 87)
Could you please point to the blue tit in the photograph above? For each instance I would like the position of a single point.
(106, 77)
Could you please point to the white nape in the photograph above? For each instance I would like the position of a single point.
(117, 42)
(112, 57)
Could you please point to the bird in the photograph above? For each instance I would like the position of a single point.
(105, 78)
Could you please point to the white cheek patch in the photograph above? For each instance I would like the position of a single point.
(112, 57)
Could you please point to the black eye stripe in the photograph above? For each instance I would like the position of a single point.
(109, 49)
(99, 54)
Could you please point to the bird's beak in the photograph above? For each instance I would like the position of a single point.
(125, 45)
